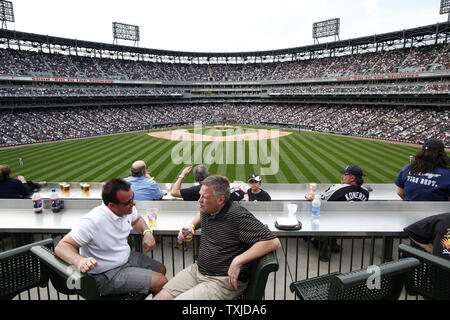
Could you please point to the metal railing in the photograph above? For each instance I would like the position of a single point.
(298, 259)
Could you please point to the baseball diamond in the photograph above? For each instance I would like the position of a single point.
(303, 157)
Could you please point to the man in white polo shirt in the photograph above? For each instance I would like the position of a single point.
(98, 245)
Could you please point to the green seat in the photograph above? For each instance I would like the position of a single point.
(67, 279)
(259, 272)
(21, 271)
(431, 279)
(355, 286)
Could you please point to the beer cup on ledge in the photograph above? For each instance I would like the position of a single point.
(152, 216)
(85, 188)
(66, 188)
(61, 186)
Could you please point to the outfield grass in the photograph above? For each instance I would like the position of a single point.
(304, 157)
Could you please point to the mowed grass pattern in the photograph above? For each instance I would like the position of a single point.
(304, 157)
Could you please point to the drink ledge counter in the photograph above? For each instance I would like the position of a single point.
(337, 218)
(278, 192)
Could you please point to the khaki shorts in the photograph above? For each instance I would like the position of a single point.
(190, 284)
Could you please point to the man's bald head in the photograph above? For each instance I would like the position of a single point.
(138, 168)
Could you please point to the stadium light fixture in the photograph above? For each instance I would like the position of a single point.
(6, 13)
(326, 28)
(445, 8)
(125, 32)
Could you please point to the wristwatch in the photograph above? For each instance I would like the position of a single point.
(181, 176)
(147, 230)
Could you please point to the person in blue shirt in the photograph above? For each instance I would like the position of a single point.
(143, 186)
(427, 178)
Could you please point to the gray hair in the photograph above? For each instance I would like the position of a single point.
(200, 173)
(220, 185)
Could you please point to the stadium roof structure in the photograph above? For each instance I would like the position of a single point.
(414, 33)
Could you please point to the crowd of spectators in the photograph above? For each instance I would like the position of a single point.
(23, 126)
(316, 65)
(394, 88)
(81, 90)
(406, 124)
(51, 89)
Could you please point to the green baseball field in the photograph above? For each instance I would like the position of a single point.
(279, 155)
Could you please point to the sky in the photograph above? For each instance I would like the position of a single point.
(220, 26)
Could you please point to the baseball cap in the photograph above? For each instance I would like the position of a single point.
(353, 170)
(433, 144)
(254, 177)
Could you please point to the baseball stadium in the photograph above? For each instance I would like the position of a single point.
(77, 111)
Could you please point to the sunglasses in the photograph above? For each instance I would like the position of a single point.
(128, 202)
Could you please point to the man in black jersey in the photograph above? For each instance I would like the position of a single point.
(231, 238)
(350, 189)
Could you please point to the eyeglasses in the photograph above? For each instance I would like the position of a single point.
(128, 202)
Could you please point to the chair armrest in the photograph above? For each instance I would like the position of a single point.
(389, 268)
(26, 248)
(267, 263)
(316, 288)
(260, 270)
(52, 261)
(64, 277)
(424, 256)
(68, 280)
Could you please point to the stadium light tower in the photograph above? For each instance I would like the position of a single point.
(445, 8)
(326, 28)
(6, 13)
(125, 32)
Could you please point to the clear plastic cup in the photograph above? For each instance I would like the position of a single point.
(152, 216)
